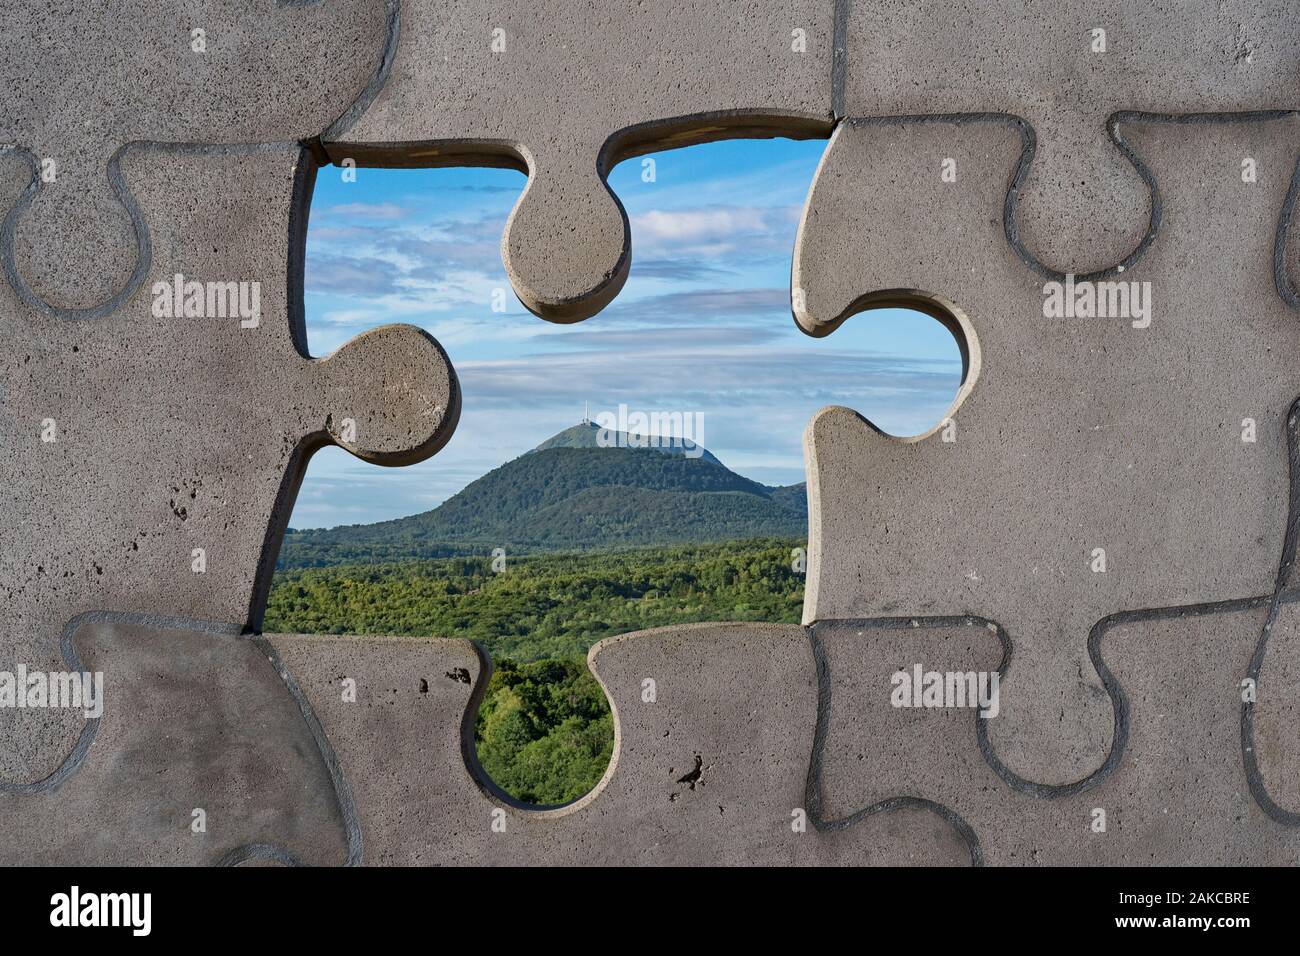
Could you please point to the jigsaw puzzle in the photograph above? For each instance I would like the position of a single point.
(1096, 548)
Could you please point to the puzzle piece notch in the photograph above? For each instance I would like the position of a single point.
(1084, 207)
(1074, 436)
(77, 99)
(741, 697)
(178, 507)
(483, 82)
(1171, 795)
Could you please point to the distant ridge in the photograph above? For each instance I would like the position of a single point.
(569, 493)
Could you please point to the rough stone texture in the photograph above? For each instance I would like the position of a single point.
(192, 719)
(740, 696)
(1071, 434)
(84, 79)
(579, 86)
(1174, 788)
(181, 434)
(1084, 206)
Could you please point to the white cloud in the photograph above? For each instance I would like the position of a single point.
(384, 211)
(693, 225)
(713, 232)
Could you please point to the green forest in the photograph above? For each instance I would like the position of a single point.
(544, 730)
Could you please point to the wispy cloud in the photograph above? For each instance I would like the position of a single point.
(354, 276)
(381, 211)
(677, 270)
(699, 305)
(716, 231)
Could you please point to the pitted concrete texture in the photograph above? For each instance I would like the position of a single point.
(1175, 789)
(1071, 436)
(709, 772)
(1084, 206)
(192, 720)
(83, 80)
(151, 460)
(565, 89)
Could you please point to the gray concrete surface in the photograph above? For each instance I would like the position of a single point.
(177, 435)
(1083, 206)
(1174, 790)
(572, 88)
(83, 80)
(192, 720)
(740, 696)
(1072, 434)
(1273, 718)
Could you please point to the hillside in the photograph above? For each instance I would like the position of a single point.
(568, 495)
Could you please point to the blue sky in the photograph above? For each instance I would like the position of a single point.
(703, 324)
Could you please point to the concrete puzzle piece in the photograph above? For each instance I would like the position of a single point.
(735, 702)
(1084, 205)
(192, 719)
(85, 82)
(152, 459)
(1163, 446)
(565, 89)
(1179, 786)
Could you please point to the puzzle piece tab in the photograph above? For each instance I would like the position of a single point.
(1174, 790)
(566, 89)
(1065, 68)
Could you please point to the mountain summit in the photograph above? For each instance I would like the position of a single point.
(571, 493)
(591, 435)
